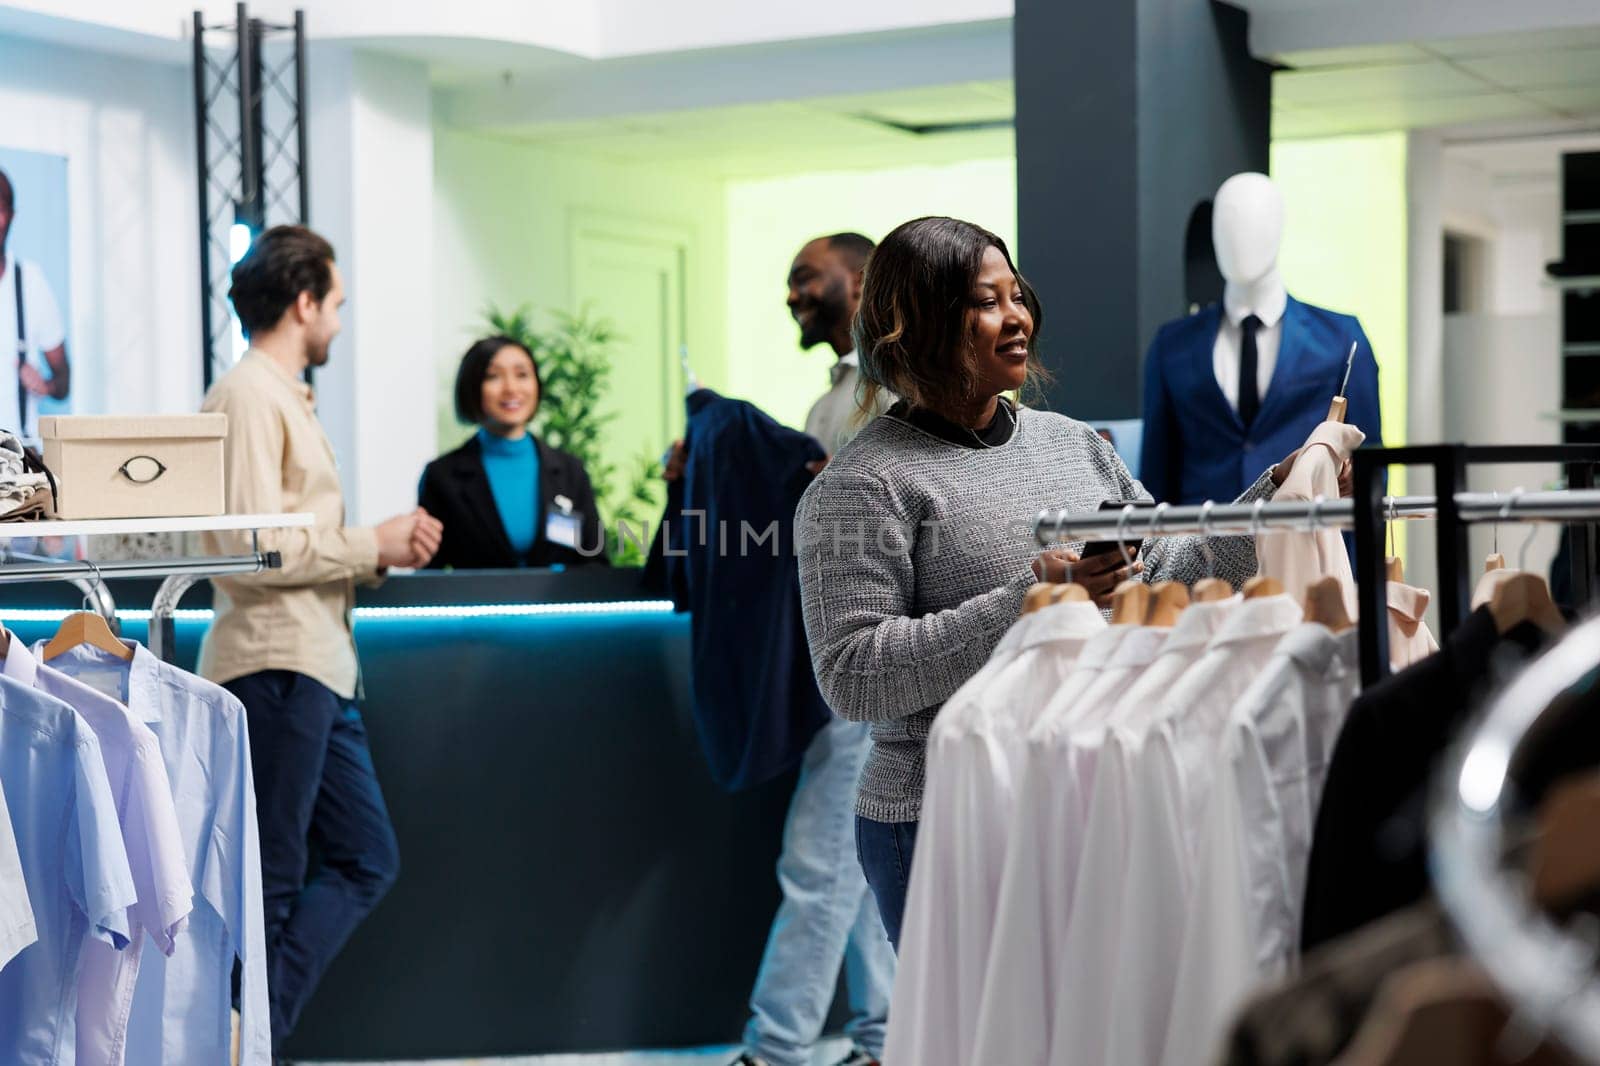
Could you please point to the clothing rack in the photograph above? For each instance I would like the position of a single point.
(1545, 970)
(1454, 511)
(1452, 508)
(1266, 516)
(178, 574)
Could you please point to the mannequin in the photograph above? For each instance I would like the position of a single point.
(1208, 434)
(1247, 231)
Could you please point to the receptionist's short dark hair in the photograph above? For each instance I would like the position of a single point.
(475, 367)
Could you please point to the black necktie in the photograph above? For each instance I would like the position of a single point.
(1249, 395)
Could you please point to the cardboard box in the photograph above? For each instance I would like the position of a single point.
(154, 466)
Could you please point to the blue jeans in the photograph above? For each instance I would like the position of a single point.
(314, 781)
(884, 849)
(827, 917)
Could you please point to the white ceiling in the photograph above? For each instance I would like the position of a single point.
(1549, 77)
(1506, 83)
(857, 131)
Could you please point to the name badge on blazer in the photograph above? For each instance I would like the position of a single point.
(563, 527)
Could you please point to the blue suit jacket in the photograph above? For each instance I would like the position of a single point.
(1195, 447)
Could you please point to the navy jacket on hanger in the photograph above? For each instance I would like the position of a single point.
(756, 703)
(1195, 447)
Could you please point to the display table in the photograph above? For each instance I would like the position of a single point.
(571, 880)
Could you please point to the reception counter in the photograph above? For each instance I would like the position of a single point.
(570, 880)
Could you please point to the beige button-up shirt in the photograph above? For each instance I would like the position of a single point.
(278, 459)
(836, 417)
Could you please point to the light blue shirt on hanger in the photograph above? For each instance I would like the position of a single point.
(75, 867)
(182, 1005)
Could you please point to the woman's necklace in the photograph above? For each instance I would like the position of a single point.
(1009, 415)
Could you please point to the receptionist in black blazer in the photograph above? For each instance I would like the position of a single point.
(505, 497)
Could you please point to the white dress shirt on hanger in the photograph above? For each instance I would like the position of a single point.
(963, 838)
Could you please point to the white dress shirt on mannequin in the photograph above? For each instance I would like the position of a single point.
(1269, 335)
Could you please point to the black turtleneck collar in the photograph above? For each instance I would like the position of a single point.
(996, 433)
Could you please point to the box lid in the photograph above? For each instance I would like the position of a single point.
(137, 427)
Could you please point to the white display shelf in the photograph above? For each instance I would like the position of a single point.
(112, 526)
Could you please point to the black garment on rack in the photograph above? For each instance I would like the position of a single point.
(1369, 849)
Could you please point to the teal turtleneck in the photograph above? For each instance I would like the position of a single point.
(513, 469)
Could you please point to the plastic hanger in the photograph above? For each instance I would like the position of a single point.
(1260, 585)
(1210, 588)
(86, 627)
(1130, 601)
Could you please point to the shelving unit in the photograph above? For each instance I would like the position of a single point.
(1577, 275)
(114, 526)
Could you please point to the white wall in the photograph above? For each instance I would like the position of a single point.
(127, 130)
(371, 168)
(1491, 375)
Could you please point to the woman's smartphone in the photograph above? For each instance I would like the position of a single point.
(1102, 547)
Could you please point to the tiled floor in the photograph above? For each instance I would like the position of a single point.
(828, 1052)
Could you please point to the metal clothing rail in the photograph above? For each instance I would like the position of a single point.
(1266, 516)
(179, 575)
(1452, 509)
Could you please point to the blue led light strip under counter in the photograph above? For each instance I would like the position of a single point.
(487, 610)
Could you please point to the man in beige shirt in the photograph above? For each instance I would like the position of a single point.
(282, 639)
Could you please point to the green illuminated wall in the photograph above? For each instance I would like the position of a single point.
(1344, 248)
(508, 229)
(1344, 244)
(768, 221)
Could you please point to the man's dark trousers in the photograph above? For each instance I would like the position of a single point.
(315, 783)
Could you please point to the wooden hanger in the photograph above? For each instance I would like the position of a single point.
(1438, 1010)
(1260, 586)
(1566, 856)
(1168, 599)
(1395, 569)
(1494, 562)
(1037, 596)
(1210, 590)
(1325, 604)
(1524, 597)
(85, 627)
(1072, 592)
(1130, 603)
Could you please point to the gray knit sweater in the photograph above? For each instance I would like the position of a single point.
(914, 560)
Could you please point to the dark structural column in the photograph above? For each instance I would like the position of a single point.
(1130, 113)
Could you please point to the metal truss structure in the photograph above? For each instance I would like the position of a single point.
(250, 129)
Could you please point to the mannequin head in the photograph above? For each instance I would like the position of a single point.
(1247, 227)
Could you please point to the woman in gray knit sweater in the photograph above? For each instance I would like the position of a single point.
(915, 539)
